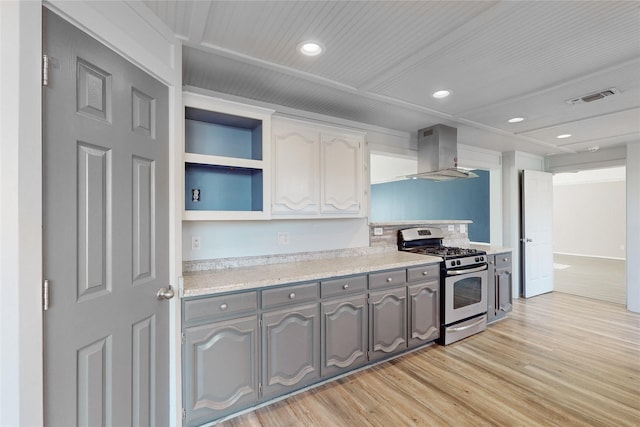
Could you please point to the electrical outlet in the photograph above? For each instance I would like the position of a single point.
(451, 227)
(463, 228)
(195, 195)
(283, 238)
(377, 231)
(195, 243)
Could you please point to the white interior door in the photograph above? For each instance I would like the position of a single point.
(105, 179)
(537, 233)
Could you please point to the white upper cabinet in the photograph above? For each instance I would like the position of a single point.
(341, 173)
(317, 170)
(227, 164)
(296, 159)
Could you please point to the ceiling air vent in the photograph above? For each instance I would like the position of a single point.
(594, 96)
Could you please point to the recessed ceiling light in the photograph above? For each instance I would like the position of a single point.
(310, 48)
(564, 135)
(441, 94)
(593, 149)
(516, 119)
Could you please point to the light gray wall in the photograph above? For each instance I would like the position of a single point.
(21, 345)
(227, 239)
(633, 226)
(590, 219)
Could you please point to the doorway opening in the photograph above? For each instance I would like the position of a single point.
(589, 252)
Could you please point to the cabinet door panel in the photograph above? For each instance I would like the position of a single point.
(295, 172)
(388, 322)
(341, 159)
(424, 316)
(290, 348)
(221, 368)
(503, 287)
(344, 334)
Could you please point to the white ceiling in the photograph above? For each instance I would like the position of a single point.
(383, 60)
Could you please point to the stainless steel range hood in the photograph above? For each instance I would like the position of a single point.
(438, 154)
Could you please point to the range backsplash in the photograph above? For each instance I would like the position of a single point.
(456, 232)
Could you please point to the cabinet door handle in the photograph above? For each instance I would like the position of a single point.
(345, 287)
(425, 273)
(224, 306)
(292, 295)
(389, 279)
(505, 259)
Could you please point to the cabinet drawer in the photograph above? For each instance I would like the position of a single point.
(218, 306)
(427, 272)
(503, 260)
(387, 278)
(342, 286)
(289, 295)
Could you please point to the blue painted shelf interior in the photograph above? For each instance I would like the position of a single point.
(223, 188)
(218, 134)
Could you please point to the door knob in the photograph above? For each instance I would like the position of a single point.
(529, 240)
(165, 293)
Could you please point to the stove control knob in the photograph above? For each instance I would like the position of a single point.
(458, 262)
(481, 258)
(477, 259)
(453, 263)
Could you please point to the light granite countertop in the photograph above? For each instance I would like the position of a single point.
(490, 249)
(212, 282)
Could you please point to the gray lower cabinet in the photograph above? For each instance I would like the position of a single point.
(241, 349)
(500, 290)
(387, 322)
(424, 304)
(221, 368)
(344, 334)
(290, 349)
(504, 289)
(424, 313)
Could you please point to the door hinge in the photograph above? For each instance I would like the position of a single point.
(45, 294)
(183, 337)
(260, 389)
(45, 70)
(184, 414)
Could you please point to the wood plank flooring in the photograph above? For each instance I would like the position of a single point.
(599, 278)
(557, 360)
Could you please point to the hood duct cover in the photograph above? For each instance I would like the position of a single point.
(438, 154)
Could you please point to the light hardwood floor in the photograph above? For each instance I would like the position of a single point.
(557, 360)
(599, 278)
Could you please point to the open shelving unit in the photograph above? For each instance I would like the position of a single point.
(226, 158)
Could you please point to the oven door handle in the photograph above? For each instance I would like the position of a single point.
(462, 328)
(470, 270)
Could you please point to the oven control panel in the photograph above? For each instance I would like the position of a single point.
(470, 261)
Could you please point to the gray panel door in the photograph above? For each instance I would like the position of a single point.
(424, 316)
(105, 236)
(387, 322)
(290, 349)
(344, 334)
(221, 368)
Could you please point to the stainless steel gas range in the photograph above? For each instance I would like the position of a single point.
(463, 282)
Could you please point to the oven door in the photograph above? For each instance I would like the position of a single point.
(465, 295)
